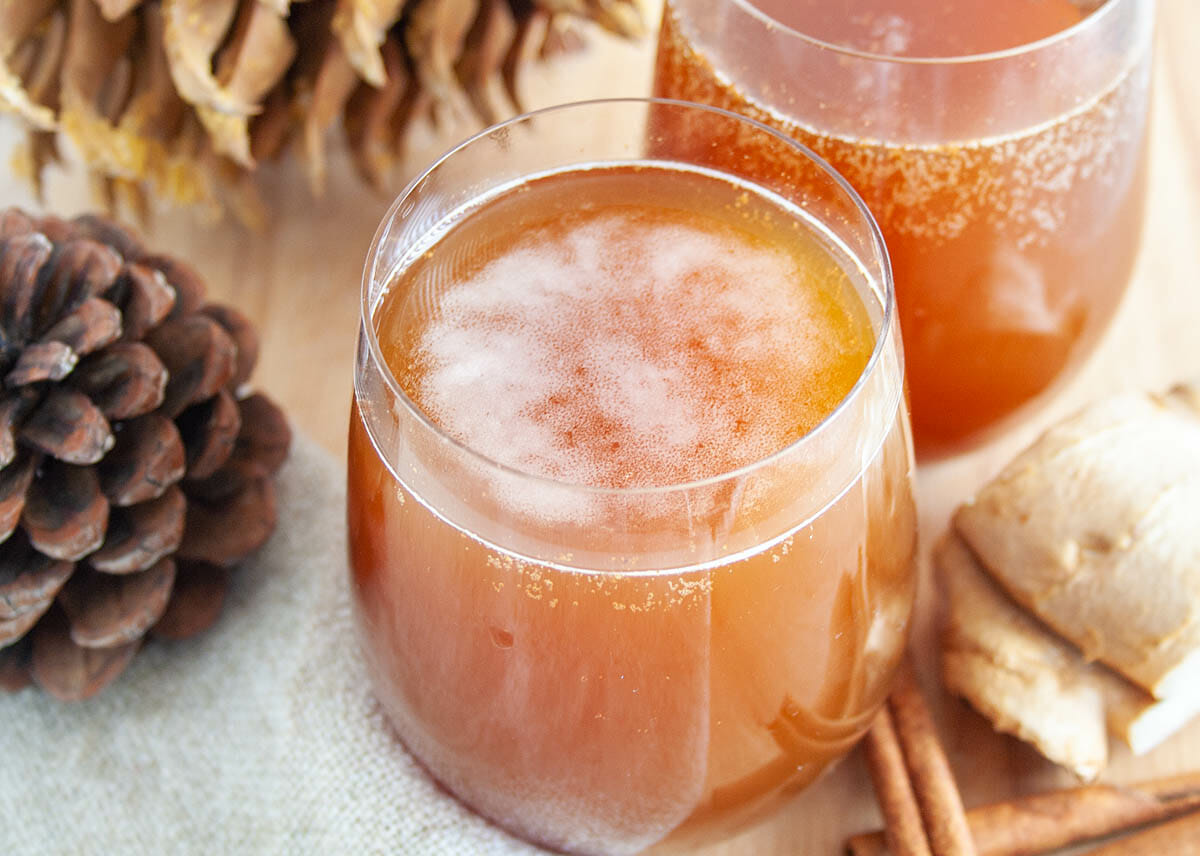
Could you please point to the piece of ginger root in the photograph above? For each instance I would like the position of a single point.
(1090, 540)
(1033, 684)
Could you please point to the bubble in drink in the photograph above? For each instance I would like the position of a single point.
(623, 345)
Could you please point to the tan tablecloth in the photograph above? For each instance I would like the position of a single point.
(260, 736)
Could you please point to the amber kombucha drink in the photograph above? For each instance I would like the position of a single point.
(1001, 146)
(671, 574)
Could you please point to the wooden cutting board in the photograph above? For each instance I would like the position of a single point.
(299, 280)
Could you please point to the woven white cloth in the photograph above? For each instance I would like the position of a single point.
(261, 736)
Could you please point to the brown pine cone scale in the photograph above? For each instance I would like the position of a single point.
(148, 457)
(132, 475)
(43, 361)
(106, 610)
(140, 535)
(71, 672)
(68, 426)
(199, 595)
(94, 324)
(28, 580)
(124, 380)
(65, 513)
(210, 431)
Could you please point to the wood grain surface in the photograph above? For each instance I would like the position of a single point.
(300, 281)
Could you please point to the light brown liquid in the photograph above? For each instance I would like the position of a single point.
(1010, 254)
(925, 28)
(627, 328)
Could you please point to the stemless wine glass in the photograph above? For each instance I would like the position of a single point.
(1008, 185)
(606, 669)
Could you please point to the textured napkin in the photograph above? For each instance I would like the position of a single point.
(260, 736)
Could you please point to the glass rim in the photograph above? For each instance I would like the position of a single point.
(1092, 19)
(367, 329)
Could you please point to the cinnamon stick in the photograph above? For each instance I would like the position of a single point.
(1040, 823)
(932, 779)
(1180, 837)
(904, 834)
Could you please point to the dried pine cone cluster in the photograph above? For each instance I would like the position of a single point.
(131, 473)
(182, 98)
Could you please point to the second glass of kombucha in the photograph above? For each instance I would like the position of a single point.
(630, 475)
(1001, 144)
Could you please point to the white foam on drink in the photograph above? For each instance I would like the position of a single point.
(623, 352)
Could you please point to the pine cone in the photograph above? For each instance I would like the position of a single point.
(132, 475)
(182, 98)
